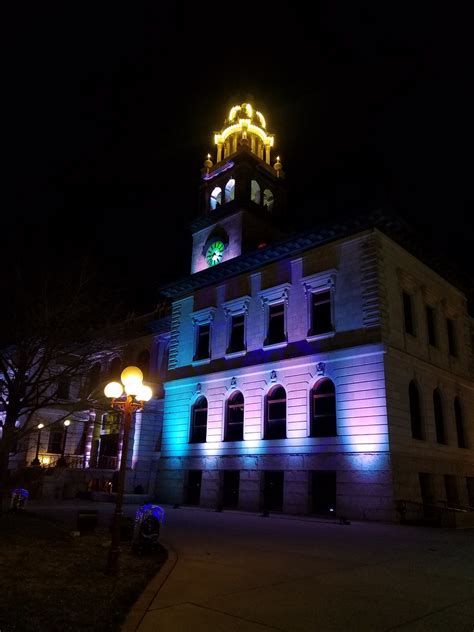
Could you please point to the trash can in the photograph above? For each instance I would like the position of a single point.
(19, 498)
(87, 520)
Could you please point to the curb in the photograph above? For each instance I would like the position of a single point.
(145, 599)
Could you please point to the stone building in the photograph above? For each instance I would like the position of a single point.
(327, 372)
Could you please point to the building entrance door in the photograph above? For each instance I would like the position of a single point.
(193, 491)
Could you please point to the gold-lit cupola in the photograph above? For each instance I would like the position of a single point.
(244, 124)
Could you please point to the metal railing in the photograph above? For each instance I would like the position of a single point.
(438, 514)
(50, 459)
(105, 463)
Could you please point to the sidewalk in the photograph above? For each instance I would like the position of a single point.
(232, 571)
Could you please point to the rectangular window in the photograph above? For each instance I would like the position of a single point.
(202, 342)
(55, 443)
(321, 313)
(470, 490)
(63, 388)
(426, 488)
(276, 324)
(408, 314)
(323, 492)
(451, 487)
(430, 324)
(451, 337)
(230, 489)
(237, 333)
(273, 482)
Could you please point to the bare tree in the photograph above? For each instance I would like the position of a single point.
(51, 335)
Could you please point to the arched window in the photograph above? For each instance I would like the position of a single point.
(255, 193)
(230, 190)
(199, 421)
(234, 419)
(275, 422)
(323, 409)
(216, 198)
(459, 423)
(268, 199)
(415, 411)
(143, 363)
(115, 368)
(94, 377)
(439, 418)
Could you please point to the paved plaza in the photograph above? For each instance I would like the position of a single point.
(233, 571)
(237, 571)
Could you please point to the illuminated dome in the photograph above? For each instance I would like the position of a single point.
(244, 125)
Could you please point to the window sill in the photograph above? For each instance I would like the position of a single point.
(275, 345)
(235, 354)
(327, 334)
(199, 362)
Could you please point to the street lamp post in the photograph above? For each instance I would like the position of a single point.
(36, 460)
(128, 400)
(62, 461)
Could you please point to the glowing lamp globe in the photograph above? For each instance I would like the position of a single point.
(113, 389)
(67, 422)
(40, 426)
(144, 393)
(131, 375)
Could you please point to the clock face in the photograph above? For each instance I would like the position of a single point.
(215, 252)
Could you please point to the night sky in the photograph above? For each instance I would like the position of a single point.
(111, 110)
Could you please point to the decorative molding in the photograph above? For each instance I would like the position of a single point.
(198, 388)
(320, 281)
(320, 368)
(274, 295)
(237, 306)
(203, 316)
(388, 223)
(273, 376)
(233, 382)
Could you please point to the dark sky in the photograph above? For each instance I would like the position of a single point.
(112, 109)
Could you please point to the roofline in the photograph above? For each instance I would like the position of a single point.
(389, 223)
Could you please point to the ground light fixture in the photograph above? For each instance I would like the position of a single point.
(128, 397)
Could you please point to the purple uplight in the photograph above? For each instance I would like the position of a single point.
(216, 172)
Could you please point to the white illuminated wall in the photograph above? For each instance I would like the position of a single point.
(353, 359)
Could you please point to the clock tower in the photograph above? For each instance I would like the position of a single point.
(242, 195)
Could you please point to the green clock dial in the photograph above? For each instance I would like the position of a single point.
(215, 252)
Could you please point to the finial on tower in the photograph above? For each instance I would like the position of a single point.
(278, 166)
(208, 163)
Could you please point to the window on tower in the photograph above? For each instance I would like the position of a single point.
(255, 192)
(268, 200)
(230, 190)
(216, 198)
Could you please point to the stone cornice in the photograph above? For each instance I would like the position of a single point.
(390, 224)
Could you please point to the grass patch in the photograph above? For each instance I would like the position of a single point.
(52, 581)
